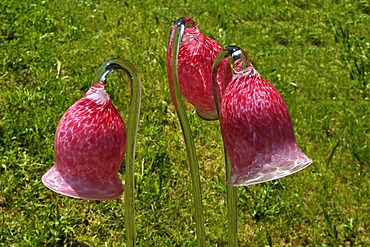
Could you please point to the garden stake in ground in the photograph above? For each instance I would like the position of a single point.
(90, 143)
(256, 126)
(189, 64)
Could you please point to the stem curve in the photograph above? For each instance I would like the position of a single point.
(132, 129)
(175, 40)
(232, 192)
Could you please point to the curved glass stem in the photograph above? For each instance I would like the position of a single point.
(184, 122)
(232, 192)
(132, 128)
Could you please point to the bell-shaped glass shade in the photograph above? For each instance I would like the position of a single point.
(89, 145)
(195, 59)
(257, 129)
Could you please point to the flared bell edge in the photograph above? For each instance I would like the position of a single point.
(208, 116)
(265, 175)
(76, 187)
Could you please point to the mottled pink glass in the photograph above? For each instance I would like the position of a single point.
(195, 59)
(257, 129)
(89, 146)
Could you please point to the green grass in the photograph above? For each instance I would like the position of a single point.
(317, 54)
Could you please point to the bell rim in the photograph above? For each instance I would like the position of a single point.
(258, 178)
(84, 189)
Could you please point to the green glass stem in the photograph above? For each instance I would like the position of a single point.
(188, 137)
(232, 206)
(132, 128)
(232, 192)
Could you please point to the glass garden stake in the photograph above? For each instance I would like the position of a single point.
(190, 58)
(172, 61)
(255, 125)
(90, 143)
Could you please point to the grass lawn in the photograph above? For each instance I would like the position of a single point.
(316, 53)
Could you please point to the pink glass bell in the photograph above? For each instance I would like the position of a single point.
(256, 127)
(195, 59)
(89, 146)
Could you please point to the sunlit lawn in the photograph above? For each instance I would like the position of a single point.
(316, 54)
